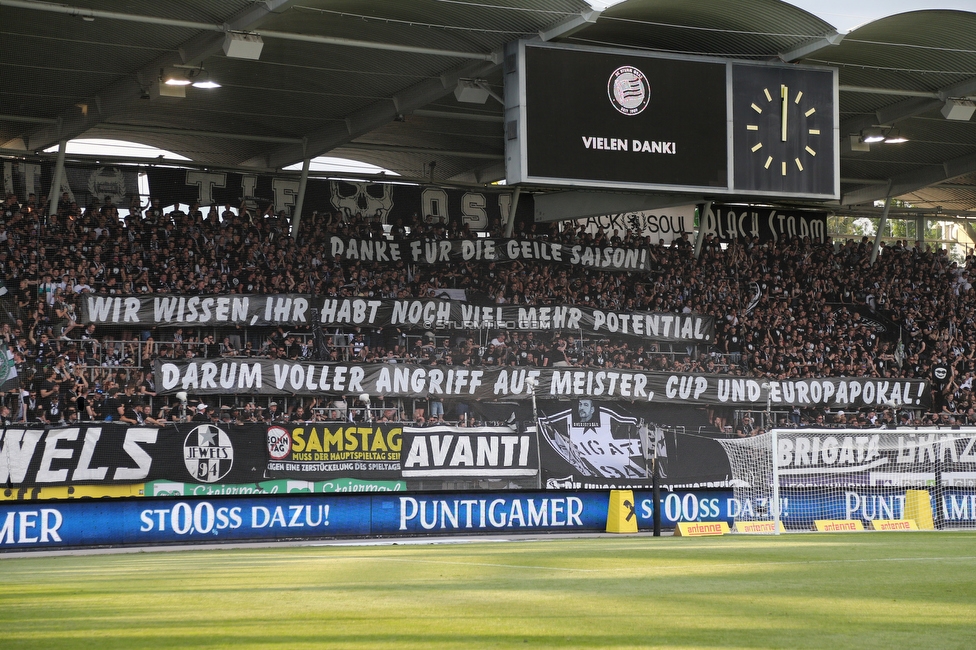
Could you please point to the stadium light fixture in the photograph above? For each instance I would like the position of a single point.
(894, 136)
(241, 45)
(873, 134)
(959, 109)
(203, 80)
(185, 76)
(174, 78)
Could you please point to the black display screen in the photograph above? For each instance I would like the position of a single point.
(625, 119)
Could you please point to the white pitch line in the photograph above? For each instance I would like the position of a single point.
(491, 564)
(794, 562)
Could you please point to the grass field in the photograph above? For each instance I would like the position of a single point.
(868, 590)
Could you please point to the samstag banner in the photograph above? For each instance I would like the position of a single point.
(161, 310)
(322, 450)
(280, 377)
(461, 452)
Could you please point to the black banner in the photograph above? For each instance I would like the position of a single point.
(81, 182)
(448, 251)
(453, 453)
(385, 202)
(741, 222)
(278, 377)
(160, 310)
(115, 453)
(628, 123)
(587, 444)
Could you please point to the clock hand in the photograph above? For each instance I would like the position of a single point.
(784, 94)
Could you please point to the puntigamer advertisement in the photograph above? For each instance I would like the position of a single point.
(172, 520)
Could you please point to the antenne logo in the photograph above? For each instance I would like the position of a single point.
(208, 453)
(628, 90)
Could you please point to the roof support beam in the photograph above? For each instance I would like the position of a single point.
(912, 181)
(237, 25)
(191, 133)
(370, 117)
(481, 176)
(811, 47)
(907, 108)
(570, 25)
(427, 151)
(456, 115)
(117, 97)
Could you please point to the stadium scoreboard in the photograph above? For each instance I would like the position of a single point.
(621, 119)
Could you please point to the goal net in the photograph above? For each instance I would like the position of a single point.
(789, 480)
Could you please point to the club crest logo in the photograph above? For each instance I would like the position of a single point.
(628, 90)
(208, 453)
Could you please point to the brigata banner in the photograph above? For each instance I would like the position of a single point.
(904, 458)
(593, 445)
(281, 377)
(453, 453)
(322, 450)
(161, 310)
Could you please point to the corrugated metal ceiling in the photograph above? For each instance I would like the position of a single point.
(53, 63)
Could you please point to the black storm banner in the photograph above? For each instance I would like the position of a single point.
(279, 377)
(743, 223)
(589, 444)
(161, 310)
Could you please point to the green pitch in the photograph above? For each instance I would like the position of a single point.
(869, 590)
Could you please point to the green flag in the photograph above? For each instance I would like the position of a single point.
(8, 369)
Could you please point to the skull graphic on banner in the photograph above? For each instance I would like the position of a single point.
(371, 200)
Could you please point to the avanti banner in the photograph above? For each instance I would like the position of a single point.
(454, 453)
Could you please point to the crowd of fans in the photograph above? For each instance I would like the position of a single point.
(792, 308)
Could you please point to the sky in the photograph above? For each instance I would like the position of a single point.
(845, 15)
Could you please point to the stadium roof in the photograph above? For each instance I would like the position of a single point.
(374, 80)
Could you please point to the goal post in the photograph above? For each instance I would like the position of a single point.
(789, 479)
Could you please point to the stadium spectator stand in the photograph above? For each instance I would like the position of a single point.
(788, 309)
